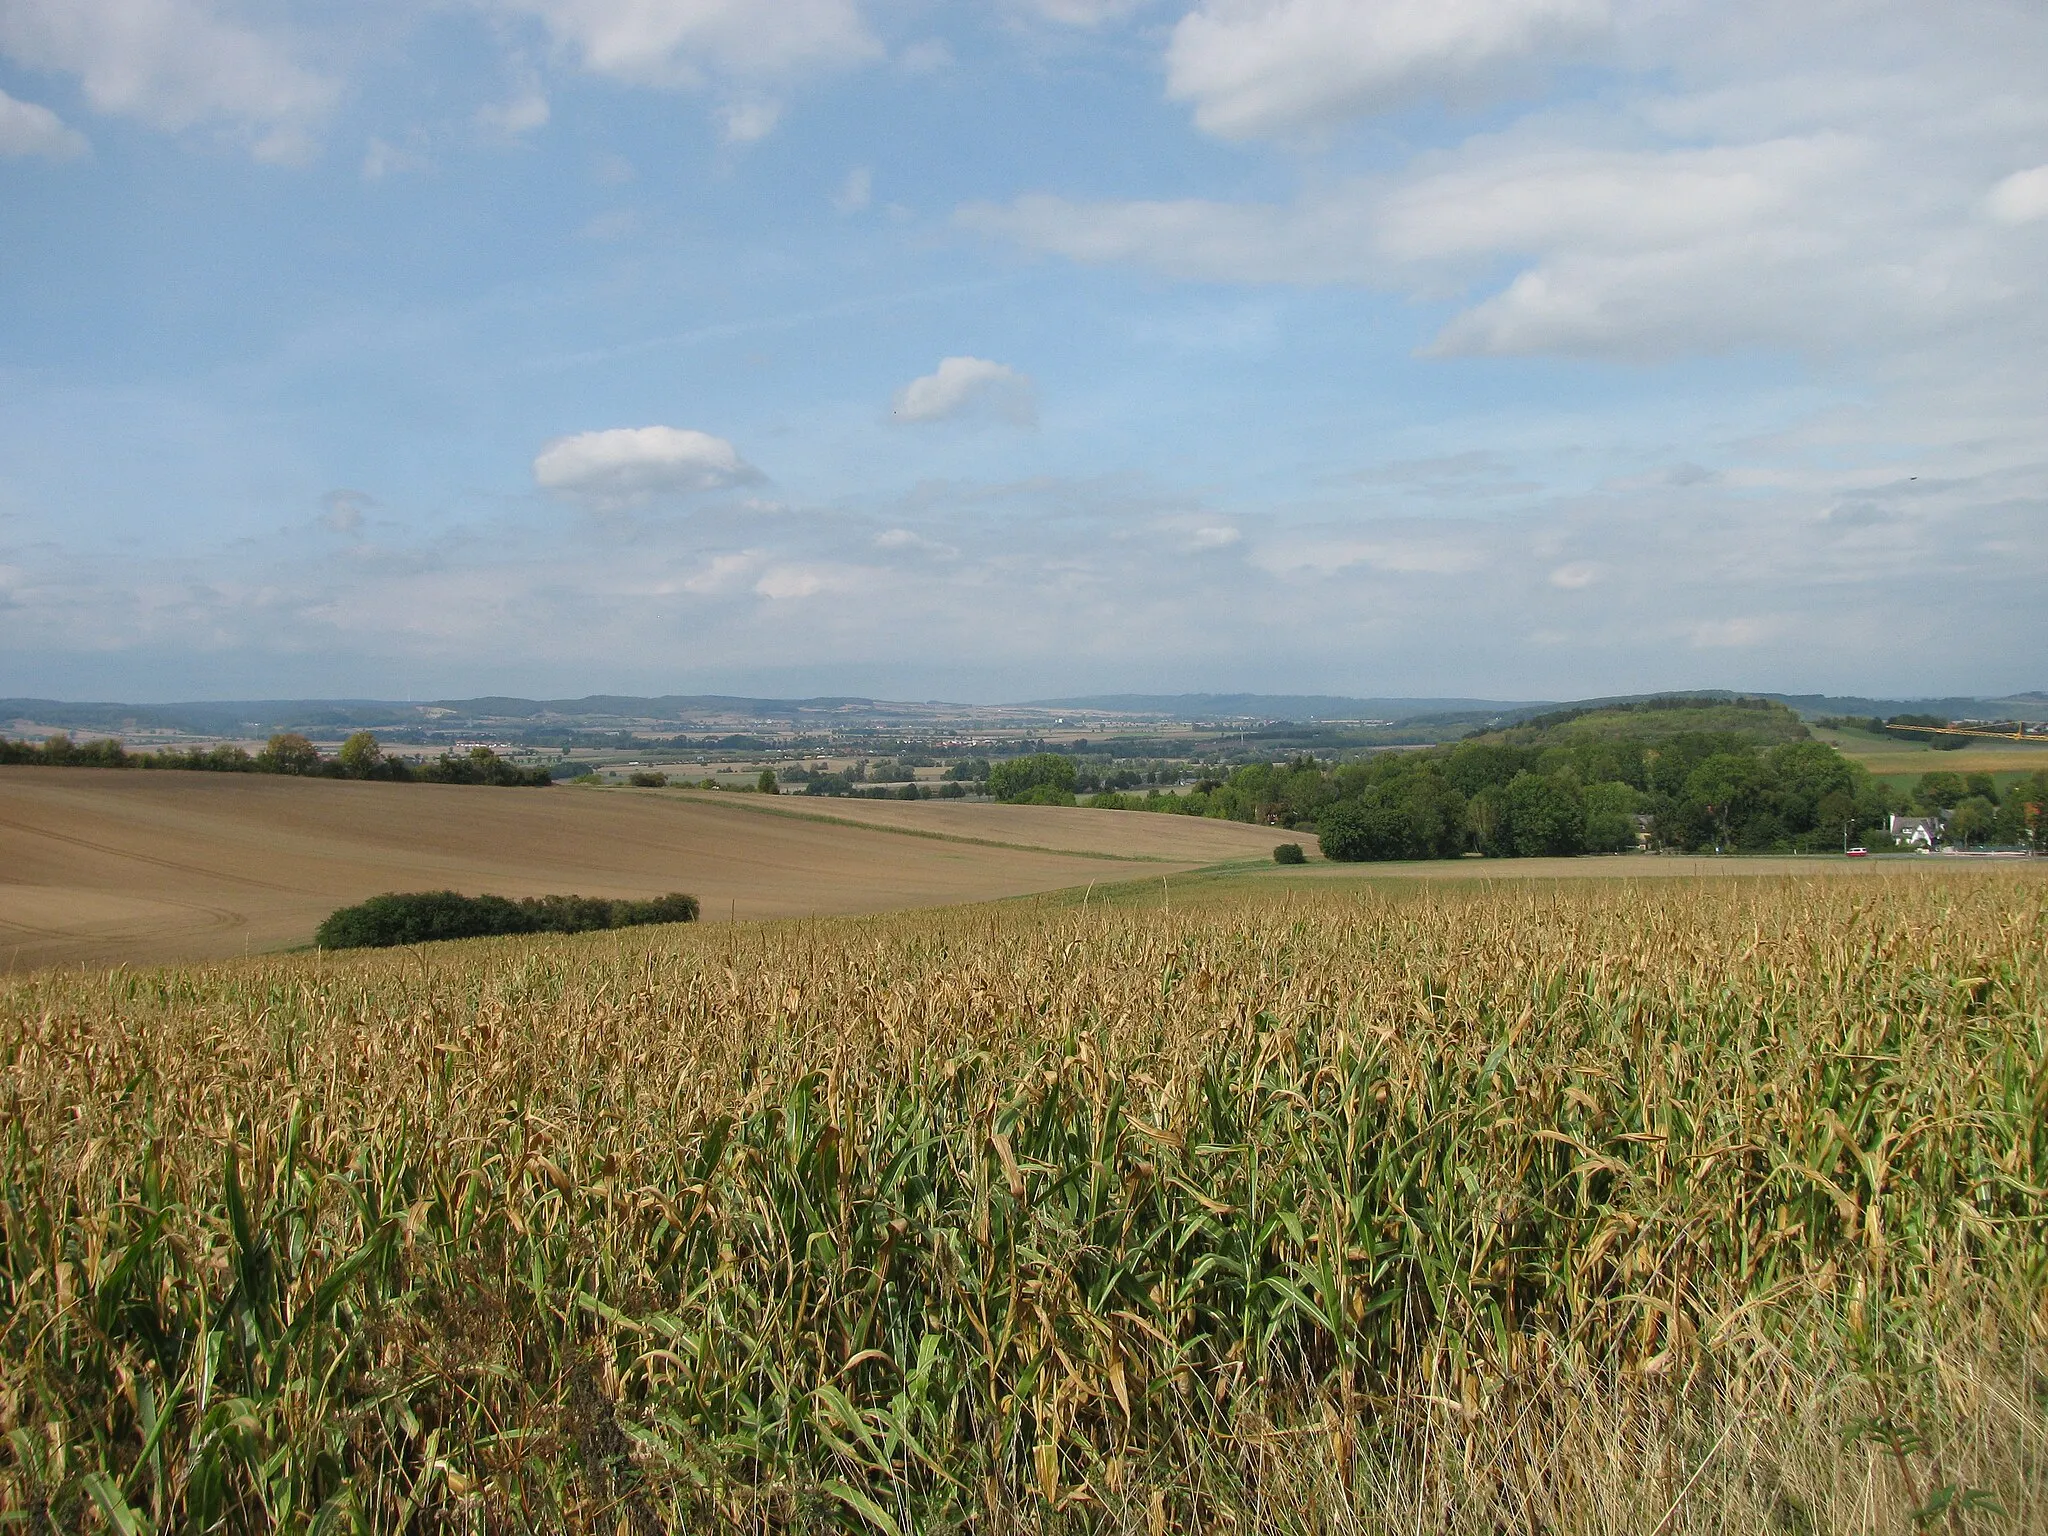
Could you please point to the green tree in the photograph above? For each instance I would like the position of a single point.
(1725, 787)
(1611, 817)
(360, 755)
(766, 783)
(1837, 812)
(1939, 792)
(289, 752)
(1371, 827)
(1041, 778)
(1544, 815)
(1972, 820)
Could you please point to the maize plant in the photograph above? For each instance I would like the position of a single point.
(1661, 1206)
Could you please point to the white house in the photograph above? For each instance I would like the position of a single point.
(1916, 831)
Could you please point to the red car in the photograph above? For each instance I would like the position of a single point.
(1859, 853)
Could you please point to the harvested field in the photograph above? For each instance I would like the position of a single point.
(103, 867)
(1072, 829)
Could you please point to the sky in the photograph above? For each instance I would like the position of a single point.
(1023, 348)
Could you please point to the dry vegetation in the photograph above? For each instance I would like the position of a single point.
(99, 867)
(1675, 1207)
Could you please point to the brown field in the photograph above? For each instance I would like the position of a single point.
(1067, 829)
(101, 867)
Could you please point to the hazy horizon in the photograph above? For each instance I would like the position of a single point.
(1521, 348)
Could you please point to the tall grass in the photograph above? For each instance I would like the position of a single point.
(1661, 1208)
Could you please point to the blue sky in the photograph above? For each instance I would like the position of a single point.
(1500, 347)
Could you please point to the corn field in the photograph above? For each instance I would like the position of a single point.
(1709, 1206)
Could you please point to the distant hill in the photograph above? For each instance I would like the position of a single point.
(1279, 706)
(260, 716)
(1433, 718)
(1762, 720)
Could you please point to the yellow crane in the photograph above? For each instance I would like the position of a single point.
(2019, 733)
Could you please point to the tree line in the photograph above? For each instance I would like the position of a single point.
(1694, 791)
(288, 752)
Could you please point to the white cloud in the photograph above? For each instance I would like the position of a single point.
(1082, 13)
(1585, 231)
(1734, 634)
(173, 64)
(741, 48)
(27, 129)
(856, 192)
(784, 583)
(750, 119)
(1575, 576)
(383, 158)
(629, 465)
(964, 385)
(523, 114)
(2020, 198)
(1255, 68)
(904, 538)
(345, 511)
(1434, 553)
(1214, 537)
(926, 57)
(721, 573)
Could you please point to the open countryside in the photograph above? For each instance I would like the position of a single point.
(108, 867)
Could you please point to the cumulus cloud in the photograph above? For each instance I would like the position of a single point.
(524, 113)
(382, 158)
(856, 192)
(27, 129)
(626, 466)
(1625, 252)
(968, 386)
(1575, 575)
(787, 583)
(906, 539)
(1082, 13)
(1255, 68)
(2020, 198)
(1735, 193)
(345, 511)
(744, 50)
(174, 64)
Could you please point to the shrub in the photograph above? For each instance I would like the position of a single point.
(648, 780)
(1289, 853)
(422, 917)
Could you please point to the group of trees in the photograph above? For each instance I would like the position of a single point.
(1974, 813)
(1695, 791)
(288, 752)
(423, 916)
(1043, 778)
